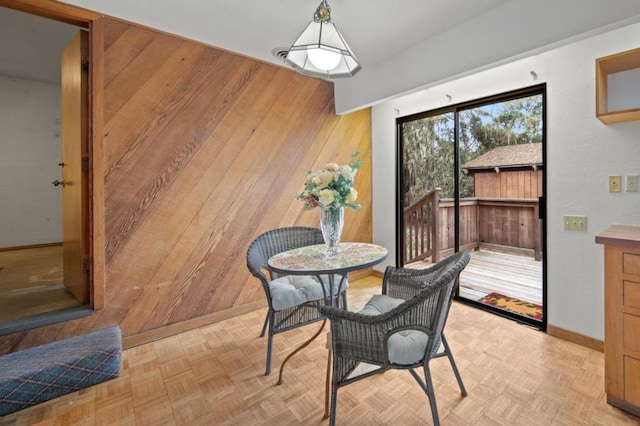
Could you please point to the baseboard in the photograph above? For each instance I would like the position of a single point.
(362, 273)
(173, 329)
(623, 405)
(579, 339)
(34, 246)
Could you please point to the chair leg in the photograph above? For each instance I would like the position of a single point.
(432, 396)
(345, 305)
(327, 383)
(269, 320)
(463, 390)
(334, 402)
(269, 346)
(264, 326)
(427, 387)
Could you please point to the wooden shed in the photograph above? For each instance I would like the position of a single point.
(511, 171)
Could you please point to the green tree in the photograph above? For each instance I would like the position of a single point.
(428, 143)
(512, 122)
(428, 153)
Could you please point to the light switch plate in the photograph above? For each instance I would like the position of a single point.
(631, 185)
(615, 183)
(576, 222)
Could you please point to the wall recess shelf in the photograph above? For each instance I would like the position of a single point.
(606, 66)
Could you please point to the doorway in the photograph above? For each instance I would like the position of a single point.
(34, 285)
(472, 177)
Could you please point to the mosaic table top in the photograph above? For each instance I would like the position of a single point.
(312, 259)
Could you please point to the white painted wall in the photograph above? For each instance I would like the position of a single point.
(30, 150)
(581, 153)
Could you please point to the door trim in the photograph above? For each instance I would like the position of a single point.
(94, 23)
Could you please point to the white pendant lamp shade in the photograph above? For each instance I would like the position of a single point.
(321, 51)
(323, 59)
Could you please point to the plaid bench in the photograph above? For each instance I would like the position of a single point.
(35, 375)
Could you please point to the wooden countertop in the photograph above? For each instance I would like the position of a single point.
(620, 235)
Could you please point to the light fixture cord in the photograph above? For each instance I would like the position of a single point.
(323, 12)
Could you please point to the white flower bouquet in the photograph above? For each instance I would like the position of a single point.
(331, 187)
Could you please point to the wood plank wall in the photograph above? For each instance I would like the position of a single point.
(508, 184)
(508, 226)
(203, 151)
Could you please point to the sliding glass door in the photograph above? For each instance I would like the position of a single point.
(471, 177)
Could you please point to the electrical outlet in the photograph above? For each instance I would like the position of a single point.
(615, 183)
(631, 184)
(575, 222)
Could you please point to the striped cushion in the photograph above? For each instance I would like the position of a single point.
(35, 375)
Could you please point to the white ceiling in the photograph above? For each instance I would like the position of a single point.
(253, 28)
(385, 35)
(374, 29)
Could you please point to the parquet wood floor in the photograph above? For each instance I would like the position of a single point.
(213, 375)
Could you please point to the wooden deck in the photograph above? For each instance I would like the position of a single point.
(509, 274)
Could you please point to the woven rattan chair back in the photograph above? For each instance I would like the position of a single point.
(424, 298)
(261, 249)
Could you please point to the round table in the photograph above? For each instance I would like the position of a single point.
(312, 260)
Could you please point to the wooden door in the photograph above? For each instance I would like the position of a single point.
(75, 223)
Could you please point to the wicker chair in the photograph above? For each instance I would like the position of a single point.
(293, 300)
(400, 329)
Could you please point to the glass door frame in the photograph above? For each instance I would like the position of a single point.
(539, 89)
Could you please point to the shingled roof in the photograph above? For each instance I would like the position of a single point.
(509, 156)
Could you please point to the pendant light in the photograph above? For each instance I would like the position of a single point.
(321, 51)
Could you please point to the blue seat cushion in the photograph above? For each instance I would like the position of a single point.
(294, 290)
(406, 347)
(379, 304)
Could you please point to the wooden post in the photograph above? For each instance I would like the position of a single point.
(538, 237)
(435, 212)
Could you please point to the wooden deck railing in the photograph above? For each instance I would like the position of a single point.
(499, 223)
(420, 238)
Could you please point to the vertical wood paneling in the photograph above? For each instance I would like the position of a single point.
(203, 150)
(508, 226)
(508, 184)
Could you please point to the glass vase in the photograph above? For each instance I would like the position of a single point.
(331, 224)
